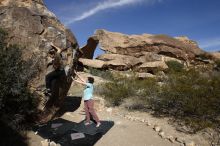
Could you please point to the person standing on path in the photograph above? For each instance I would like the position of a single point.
(88, 99)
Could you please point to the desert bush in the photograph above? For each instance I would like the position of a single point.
(192, 96)
(17, 104)
(174, 66)
(121, 88)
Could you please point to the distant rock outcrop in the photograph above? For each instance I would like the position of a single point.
(216, 55)
(143, 53)
(138, 45)
(33, 27)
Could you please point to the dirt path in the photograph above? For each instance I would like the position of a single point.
(122, 133)
(130, 133)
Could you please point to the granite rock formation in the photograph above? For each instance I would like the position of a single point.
(142, 53)
(33, 27)
(216, 55)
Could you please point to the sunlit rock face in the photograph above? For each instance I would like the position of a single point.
(137, 45)
(33, 27)
(216, 55)
(142, 53)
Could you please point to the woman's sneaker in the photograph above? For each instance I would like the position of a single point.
(87, 123)
(98, 124)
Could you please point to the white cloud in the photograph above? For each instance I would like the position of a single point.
(105, 5)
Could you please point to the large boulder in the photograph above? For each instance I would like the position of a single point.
(137, 45)
(216, 55)
(33, 27)
(150, 56)
(114, 60)
(143, 53)
(92, 63)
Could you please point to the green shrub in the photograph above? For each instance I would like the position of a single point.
(17, 104)
(191, 96)
(175, 66)
(117, 90)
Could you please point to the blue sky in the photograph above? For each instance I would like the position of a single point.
(197, 19)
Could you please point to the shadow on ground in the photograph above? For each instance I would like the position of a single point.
(70, 104)
(60, 130)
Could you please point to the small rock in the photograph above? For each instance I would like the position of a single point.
(44, 143)
(157, 128)
(171, 139)
(191, 143)
(133, 119)
(138, 119)
(148, 123)
(118, 123)
(183, 129)
(109, 110)
(143, 121)
(180, 140)
(161, 134)
(52, 143)
(130, 118)
(126, 116)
